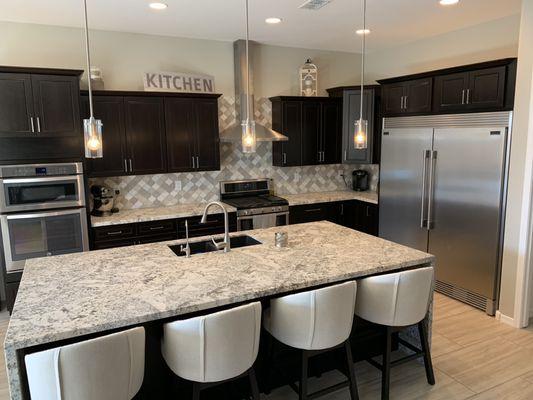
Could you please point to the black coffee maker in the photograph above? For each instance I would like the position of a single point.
(360, 180)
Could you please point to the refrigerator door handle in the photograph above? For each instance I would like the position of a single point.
(431, 195)
(423, 219)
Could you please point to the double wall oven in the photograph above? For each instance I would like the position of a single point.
(42, 212)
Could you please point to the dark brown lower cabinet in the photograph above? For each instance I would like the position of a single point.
(106, 237)
(353, 214)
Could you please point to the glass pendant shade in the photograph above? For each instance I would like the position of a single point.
(249, 139)
(361, 134)
(92, 133)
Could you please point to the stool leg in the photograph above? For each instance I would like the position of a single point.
(303, 378)
(385, 373)
(351, 370)
(253, 384)
(427, 353)
(196, 391)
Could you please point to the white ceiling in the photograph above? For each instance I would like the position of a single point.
(393, 22)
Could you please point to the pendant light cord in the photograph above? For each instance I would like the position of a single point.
(363, 59)
(248, 109)
(88, 58)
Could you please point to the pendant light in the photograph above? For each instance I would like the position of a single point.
(249, 139)
(92, 128)
(361, 125)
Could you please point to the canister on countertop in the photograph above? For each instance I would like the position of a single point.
(282, 239)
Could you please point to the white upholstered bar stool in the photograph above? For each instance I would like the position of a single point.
(316, 322)
(215, 348)
(106, 368)
(398, 301)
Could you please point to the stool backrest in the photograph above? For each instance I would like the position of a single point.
(213, 347)
(314, 320)
(106, 368)
(398, 299)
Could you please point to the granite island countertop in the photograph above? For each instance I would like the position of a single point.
(67, 296)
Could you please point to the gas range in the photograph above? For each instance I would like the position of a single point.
(255, 204)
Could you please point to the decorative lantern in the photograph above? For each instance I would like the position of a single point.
(309, 79)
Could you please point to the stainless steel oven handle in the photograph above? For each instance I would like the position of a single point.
(42, 179)
(45, 214)
(423, 220)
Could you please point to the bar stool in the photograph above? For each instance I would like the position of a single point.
(106, 368)
(216, 348)
(316, 322)
(398, 301)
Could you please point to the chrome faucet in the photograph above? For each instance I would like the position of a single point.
(187, 248)
(225, 244)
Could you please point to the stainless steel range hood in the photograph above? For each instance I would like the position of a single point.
(234, 133)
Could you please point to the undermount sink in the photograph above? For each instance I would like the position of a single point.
(207, 246)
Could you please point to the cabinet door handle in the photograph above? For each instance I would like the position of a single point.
(156, 228)
(342, 208)
(345, 154)
(131, 168)
(197, 162)
(401, 103)
(114, 233)
(405, 102)
(463, 97)
(32, 125)
(284, 158)
(125, 165)
(38, 124)
(313, 210)
(467, 96)
(193, 163)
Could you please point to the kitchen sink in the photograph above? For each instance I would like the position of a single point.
(207, 246)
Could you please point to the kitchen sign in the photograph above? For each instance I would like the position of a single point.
(178, 82)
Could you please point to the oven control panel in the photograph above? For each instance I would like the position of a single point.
(36, 170)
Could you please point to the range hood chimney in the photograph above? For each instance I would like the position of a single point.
(233, 134)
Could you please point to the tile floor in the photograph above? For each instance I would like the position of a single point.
(474, 356)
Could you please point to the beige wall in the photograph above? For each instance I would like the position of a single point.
(517, 232)
(489, 41)
(123, 57)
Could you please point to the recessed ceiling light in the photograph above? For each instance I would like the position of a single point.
(158, 6)
(273, 20)
(448, 2)
(362, 31)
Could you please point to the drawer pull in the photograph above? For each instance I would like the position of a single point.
(313, 210)
(114, 233)
(156, 228)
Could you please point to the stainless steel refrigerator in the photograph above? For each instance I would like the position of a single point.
(443, 190)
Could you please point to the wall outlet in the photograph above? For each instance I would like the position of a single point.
(177, 186)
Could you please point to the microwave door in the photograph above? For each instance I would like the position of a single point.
(33, 235)
(25, 194)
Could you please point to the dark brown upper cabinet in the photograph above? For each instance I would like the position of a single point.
(409, 97)
(145, 135)
(351, 109)
(39, 114)
(192, 132)
(487, 86)
(313, 126)
(110, 110)
(481, 89)
(150, 133)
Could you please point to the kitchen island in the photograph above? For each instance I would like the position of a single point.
(72, 297)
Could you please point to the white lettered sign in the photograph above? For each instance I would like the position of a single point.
(178, 82)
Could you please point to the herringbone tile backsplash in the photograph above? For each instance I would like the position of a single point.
(164, 189)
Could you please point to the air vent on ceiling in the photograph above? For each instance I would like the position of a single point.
(314, 4)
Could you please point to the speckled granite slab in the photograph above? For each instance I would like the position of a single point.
(155, 214)
(325, 197)
(76, 294)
